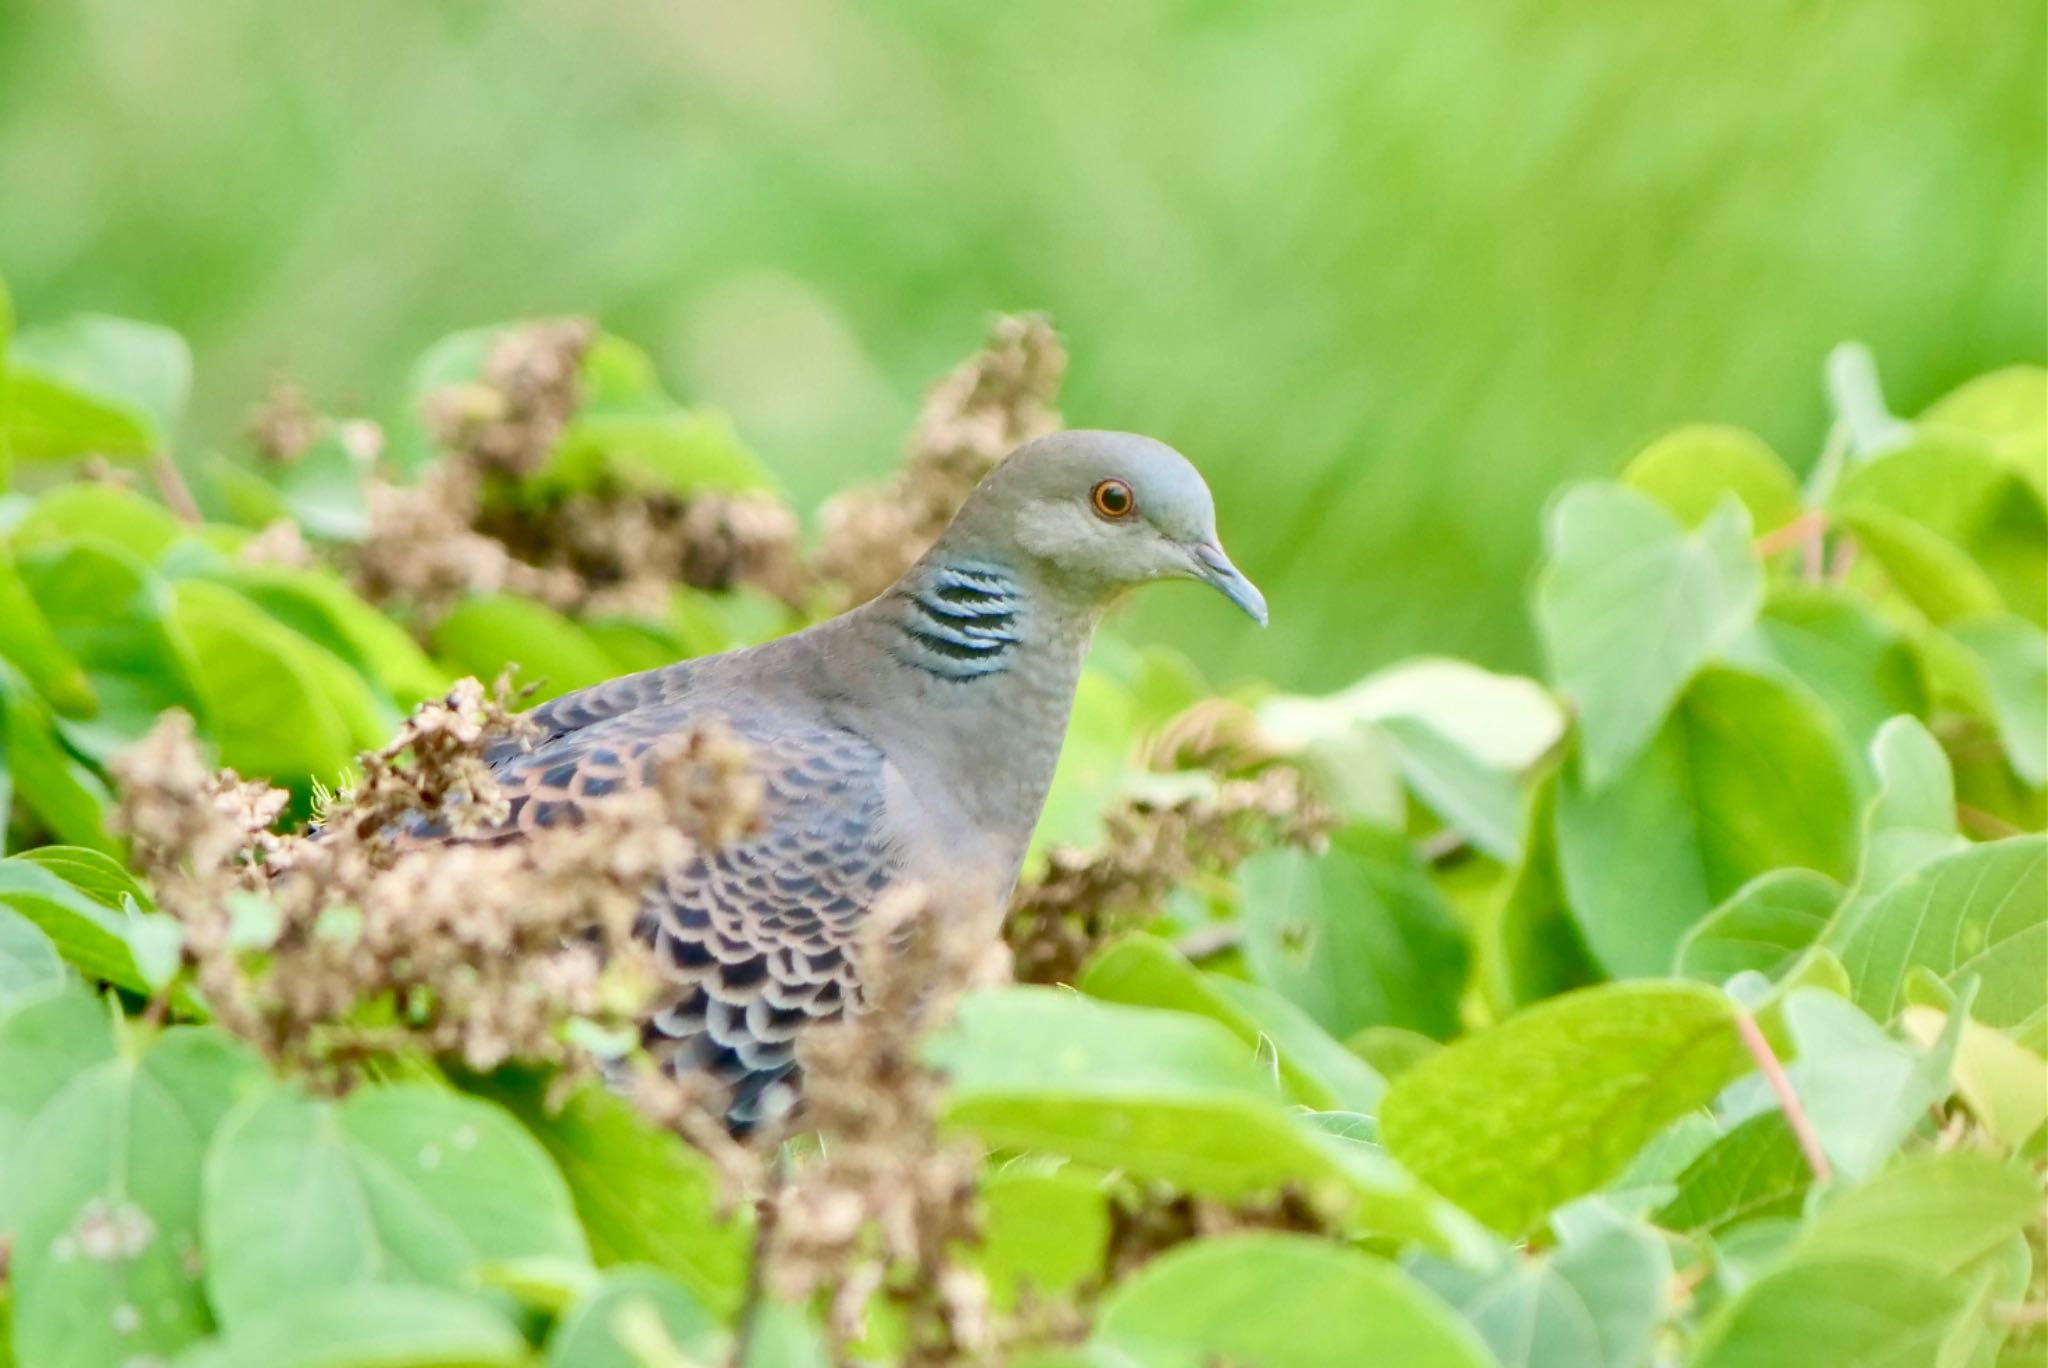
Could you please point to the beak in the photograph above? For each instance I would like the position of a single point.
(1213, 568)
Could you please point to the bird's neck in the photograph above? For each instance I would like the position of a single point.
(990, 653)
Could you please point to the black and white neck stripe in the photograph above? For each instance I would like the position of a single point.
(959, 620)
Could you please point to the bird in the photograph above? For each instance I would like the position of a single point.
(911, 739)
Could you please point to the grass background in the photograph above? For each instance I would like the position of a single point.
(1388, 272)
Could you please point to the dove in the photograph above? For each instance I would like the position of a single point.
(910, 740)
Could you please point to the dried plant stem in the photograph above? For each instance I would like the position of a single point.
(176, 494)
(1788, 1098)
(1805, 531)
(766, 1212)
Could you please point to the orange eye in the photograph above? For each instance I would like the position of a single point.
(1114, 500)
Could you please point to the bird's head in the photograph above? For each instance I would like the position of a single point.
(1102, 511)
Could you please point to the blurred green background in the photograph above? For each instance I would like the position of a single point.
(1388, 272)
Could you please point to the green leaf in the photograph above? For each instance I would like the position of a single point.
(1981, 911)
(680, 453)
(1527, 945)
(1356, 937)
(1762, 929)
(1630, 607)
(47, 1039)
(483, 636)
(2013, 654)
(93, 937)
(1747, 776)
(1478, 802)
(68, 798)
(28, 962)
(1593, 1076)
(1044, 1231)
(1595, 1302)
(1912, 818)
(401, 1183)
(598, 1332)
(112, 613)
(1860, 667)
(320, 607)
(1999, 1079)
(1691, 471)
(108, 513)
(1863, 1091)
(95, 386)
(1269, 1299)
(1351, 1083)
(2006, 409)
(1840, 1310)
(27, 641)
(323, 490)
(1164, 1095)
(1505, 722)
(104, 1197)
(367, 1326)
(1391, 1050)
(1934, 573)
(1939, 1212)
(282, 708)
(94, 873)
(1755, 1170)
(643, 1196)
(1143, 971)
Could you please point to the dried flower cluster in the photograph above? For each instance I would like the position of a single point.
(359, 940)
(469, 527)
(623, 552)
(1001, 396)
(886, 1203)
(1150, 848)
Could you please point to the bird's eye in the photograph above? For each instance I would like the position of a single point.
(1114, 500)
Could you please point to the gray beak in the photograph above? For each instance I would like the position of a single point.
(1213, 568)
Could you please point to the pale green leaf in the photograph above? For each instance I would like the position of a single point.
(1747, 776)
(1592, 1076)
(1762, 929)
(104, 1202)
(2013, 654)
(486, 636)
(94, 385)
(27, 641)
(1940, 1212)
(2004, 1084)
(28, 962)
(1755, 1170)
(1272, 1300)
(1143, 971)
(401, 1183)
(1863, 1090)
(1692, 470)
(1845, 1311)
(1981, 911)
(1165, 1095)
(1631, 606)
(1357, 936)
(642, 1195)
(367, 1326)
(607, 1330)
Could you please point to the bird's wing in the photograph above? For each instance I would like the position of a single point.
(759, 937)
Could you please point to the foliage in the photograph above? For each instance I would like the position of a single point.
(1438, 1019)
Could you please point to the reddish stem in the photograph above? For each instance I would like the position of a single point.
(1788, 1100)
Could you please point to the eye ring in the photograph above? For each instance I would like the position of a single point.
(1113, 500)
